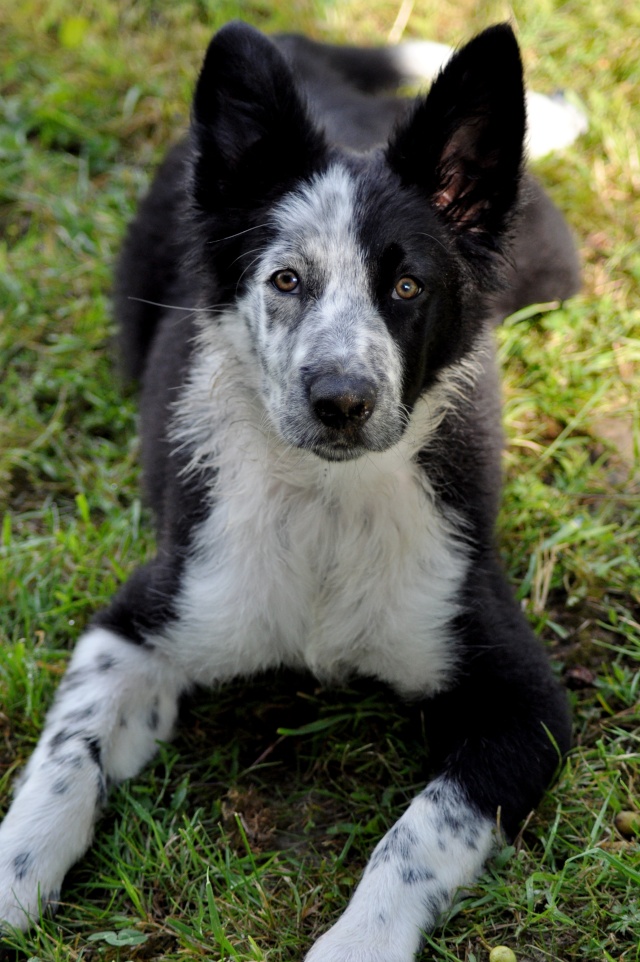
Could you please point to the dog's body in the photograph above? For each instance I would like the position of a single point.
(321, 443)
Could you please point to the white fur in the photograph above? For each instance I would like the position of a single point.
(421, 59)
(553, 123)
(50, 822)
(321, 566)
(438, 846)
(343, 567)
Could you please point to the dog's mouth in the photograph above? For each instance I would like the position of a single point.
(346, 442)
(337, 450)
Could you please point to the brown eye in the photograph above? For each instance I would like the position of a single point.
(406, 288)
(285, 281)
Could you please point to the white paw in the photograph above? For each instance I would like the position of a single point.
(22, 896)
(370, 929)
(344, 943)
(40, 838)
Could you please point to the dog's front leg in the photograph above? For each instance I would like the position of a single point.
(116, 700)
(438, 845)
(496, 740)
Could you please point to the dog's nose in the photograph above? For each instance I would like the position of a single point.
(342, 402)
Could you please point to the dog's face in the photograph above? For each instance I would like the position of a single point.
(341, 305)
(358, 278)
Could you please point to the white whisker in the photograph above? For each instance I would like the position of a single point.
(220, 240)
(218, 309)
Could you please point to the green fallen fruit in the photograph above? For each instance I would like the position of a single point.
(628, 823)
(502, 954)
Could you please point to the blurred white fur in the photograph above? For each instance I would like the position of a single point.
(553, 122)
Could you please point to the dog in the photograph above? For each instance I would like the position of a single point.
(307, 296)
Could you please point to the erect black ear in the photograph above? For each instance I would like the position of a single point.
(250, 126)
(463, 143)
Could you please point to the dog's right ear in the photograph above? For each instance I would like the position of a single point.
(250, 127)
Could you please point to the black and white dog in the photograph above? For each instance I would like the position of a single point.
(321, 443)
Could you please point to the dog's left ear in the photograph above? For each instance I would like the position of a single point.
(463, 143)
(250, 126)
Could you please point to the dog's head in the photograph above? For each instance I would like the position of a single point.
(358, 278)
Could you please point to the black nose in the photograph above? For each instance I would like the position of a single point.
(342, 402)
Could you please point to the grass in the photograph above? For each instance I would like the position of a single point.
(245, 838)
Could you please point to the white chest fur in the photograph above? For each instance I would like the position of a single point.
(342, 568)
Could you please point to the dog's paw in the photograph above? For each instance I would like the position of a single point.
(342, 944)
(22, 895)
(362, 952)
(353, 953)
